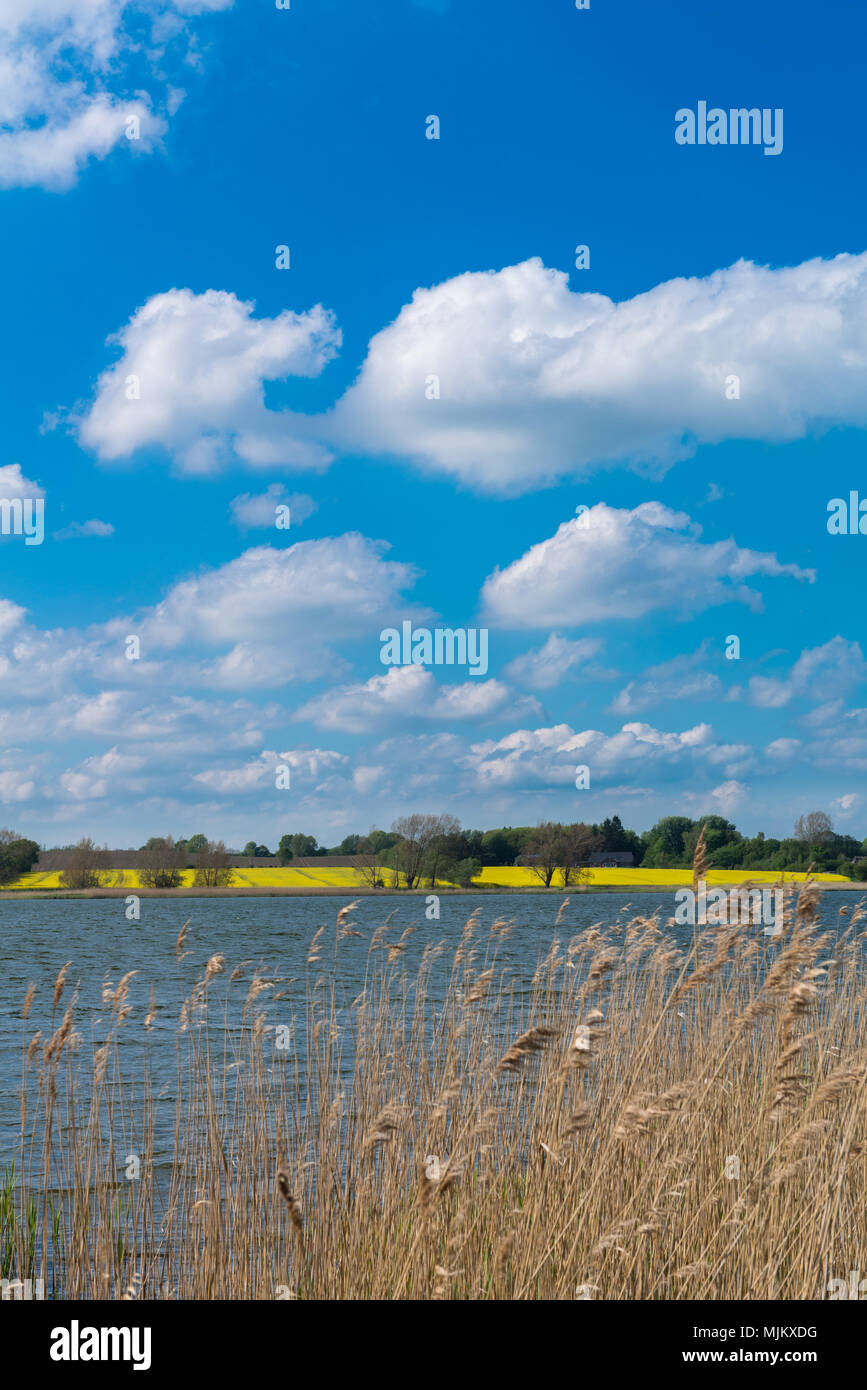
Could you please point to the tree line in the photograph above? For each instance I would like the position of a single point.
(426, 848)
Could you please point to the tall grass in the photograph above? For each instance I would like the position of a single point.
(642, 1120)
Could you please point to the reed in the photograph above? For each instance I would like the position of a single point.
(642, 1119)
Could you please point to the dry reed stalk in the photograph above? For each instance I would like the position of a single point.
(608, 1178)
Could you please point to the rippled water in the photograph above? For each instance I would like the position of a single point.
(38, 937)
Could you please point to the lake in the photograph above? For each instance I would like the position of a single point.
(273, 934)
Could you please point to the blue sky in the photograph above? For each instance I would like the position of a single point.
(603, 387)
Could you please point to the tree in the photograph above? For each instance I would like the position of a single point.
(465, 871)
(577, 843)
(372, 861)
(262, 852)
(213, 869)
(86, 867)
(348, 845)
(196, 843)
(718, 832)
(440, 851)
(419, 848)
(612, 836)
(296, 847)
(161, 863)
(17, 855)
(504, 846)
(544, 851)
(249, 848)
(814, 829)
(664, 847)
(617, 840)
(380, 840)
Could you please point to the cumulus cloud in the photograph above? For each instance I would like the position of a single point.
(549, 756)
(65, 93)
(614, 563)
(411, 693)
(505, 380)
(266, 618)
(14, 484)
(11, 617)
(296, 598)
(191, 381)
(537, 382)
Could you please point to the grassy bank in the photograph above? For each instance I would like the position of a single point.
(643, 1120)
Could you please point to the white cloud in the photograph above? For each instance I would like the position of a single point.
(820, 673)
(82, 529)
(542, 668)
(65, 96)
(97, 776)
(728, 796)
(677, 679)
(14, 487)
(259, 511)
(198, 364)
(783, 748)
(549, 756)
(364, 779)
(11, 617)
(617, 564)
(14, 484)
(306, 765)
(294, 598)
(847, 804)
(641, 695)
(15, 787)
(538, 382)
(266, 618)
(410, 693)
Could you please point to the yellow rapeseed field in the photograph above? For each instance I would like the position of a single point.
(506, 877)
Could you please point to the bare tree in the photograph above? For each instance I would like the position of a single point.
(212, 866)
(86, 866)
(161, 863)
(372, 862)
(814, 829)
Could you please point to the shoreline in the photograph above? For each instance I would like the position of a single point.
(328, 891)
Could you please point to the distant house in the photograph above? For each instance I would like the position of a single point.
(610, 859)
(605, 859)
